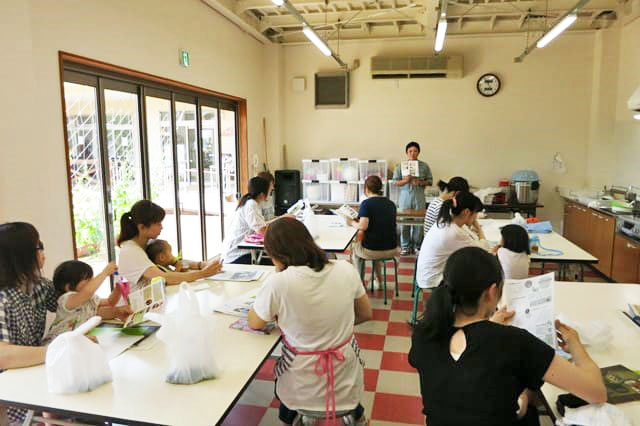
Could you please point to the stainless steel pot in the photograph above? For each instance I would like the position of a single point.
(525, 192)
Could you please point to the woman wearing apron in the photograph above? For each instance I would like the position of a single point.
(412, 197)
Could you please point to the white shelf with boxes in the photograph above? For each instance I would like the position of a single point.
(340, 180)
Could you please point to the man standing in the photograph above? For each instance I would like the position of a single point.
(412, 196)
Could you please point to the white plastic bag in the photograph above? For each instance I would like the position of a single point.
(76, 364)
(310, 220)
(519, 220)
(189, 339)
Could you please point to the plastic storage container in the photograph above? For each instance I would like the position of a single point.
(373, 168)
(315, 191)
(394, 192)
(344, 192)
(344, 169)
(361, 190)
(316, 170)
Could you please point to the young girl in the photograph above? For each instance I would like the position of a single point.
(75, 282)
(268, 207)
(377, 221)
(137, 227)
(248, 219)
(316, 304)
(457, 226)
(472, 370)
(448, 190)
(25, 298)
(514, 252)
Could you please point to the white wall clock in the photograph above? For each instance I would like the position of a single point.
(488, 85)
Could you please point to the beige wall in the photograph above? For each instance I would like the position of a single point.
(614, 147)
(144, 35)
(542, 108)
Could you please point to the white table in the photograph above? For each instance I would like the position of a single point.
(571, 253)
(585, 302)
(333, 235)
(139, 394)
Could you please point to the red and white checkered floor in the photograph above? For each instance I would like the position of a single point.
(392, 389)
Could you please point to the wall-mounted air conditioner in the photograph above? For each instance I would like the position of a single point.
(416, 67)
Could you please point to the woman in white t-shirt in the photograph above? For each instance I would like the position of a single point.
(514, 252)
(316, 303)
(248, 219)
(457, 227)
(448, 190)
(137, 227)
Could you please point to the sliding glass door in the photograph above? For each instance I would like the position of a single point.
(128, 141)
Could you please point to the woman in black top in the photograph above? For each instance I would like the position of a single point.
(377, 227)
(473, 369)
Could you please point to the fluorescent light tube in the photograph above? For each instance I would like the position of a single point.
(440, 33)
(313, 38)
(557, 29)
(636, 116)
(278, 2)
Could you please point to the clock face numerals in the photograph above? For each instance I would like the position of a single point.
(488, 85)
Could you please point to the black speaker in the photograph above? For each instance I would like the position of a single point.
(287, 190)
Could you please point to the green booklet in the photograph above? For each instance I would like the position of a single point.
(623, 385)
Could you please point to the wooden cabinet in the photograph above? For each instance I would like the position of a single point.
(601, 232)
(626, 260)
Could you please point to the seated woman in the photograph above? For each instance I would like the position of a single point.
(137, 227)
(457, 227)
(376, 223)
(513, 252)
(472, 370)
(247, 219)
(268, 207)
(25, 298)
(316, 303)
(448, 190)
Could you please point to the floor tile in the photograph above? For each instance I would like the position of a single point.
(372, 327)
(266, 371)
(398, 383)
(407, 286)
(379, 303)
(379, 294)
(243, 415)
(370, 341)
(270, 418)
(381, 315)
(259, 392)
(398, 409)
(404, 305)
(367, 403)
(397, 344)
(372, 359)
(399, 316)
(370, 379)
(398, 329)
(396, 361)
(404, 295)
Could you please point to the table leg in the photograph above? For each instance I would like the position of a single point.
(582, 272)
(253, 257)
(542, 270)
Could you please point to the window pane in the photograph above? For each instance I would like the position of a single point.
(123, 147)
(189, 195)
(212, 181)
(86, 179)
(229, 172)
(159, 140)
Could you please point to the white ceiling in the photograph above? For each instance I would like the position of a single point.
(392, 19)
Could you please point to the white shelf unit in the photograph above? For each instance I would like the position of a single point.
(361, 190)
(368, 168)
(344, 169)
(344, 192)
(316, 191)
(319, 170)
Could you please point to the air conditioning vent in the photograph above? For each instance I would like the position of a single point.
(416, 67)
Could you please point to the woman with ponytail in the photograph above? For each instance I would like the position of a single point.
(455, 228)
(473, 368)
(247, 219)
(137, 227)
(448, 190)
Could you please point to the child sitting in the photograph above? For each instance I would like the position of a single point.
(160, 253)
(75, 282)
(514, 252)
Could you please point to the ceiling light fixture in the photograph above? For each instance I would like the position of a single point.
(556, 30)
(440, 33)
(313, 38)
(636, 116)
(278, 2)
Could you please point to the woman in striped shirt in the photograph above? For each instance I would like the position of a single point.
(448, 190)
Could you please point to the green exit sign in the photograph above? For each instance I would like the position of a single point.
(184, 58)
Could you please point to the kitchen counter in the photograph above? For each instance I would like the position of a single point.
(603, 210)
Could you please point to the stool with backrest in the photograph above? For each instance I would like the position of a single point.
(384, 268)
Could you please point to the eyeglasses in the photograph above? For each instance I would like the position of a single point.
(40, 246)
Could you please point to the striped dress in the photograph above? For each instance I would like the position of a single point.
(432, 214)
